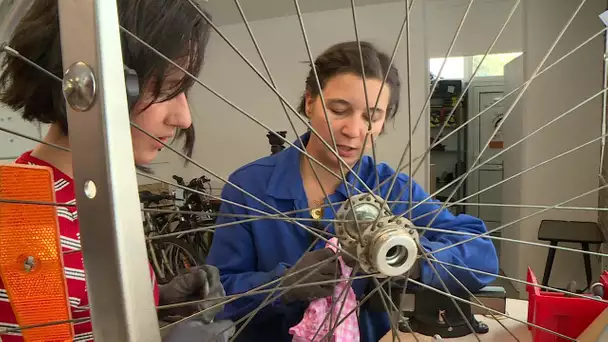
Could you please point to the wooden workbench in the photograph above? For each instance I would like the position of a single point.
(515, 308)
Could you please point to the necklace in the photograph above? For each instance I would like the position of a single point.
(317, 211)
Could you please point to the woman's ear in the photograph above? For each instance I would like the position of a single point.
(308, 103)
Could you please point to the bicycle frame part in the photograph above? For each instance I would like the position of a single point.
(112, 235)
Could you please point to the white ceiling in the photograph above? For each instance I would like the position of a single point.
(225, 12)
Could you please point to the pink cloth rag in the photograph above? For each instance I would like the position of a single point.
(315, 314)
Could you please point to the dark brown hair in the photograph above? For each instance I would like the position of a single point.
(344, 58)
(172, 27)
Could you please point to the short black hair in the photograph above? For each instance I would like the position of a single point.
(344, 58)
(173, 27)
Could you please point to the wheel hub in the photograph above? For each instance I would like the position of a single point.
(389, 247)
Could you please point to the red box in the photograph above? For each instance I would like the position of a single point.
(555, 311)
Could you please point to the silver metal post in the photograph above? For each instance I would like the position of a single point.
(604, 16)
(603, 194)
(118, 276)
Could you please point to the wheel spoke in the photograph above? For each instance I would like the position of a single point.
(254, 291)
(489, 309)
(447, 55)
(270, 298)
(426, 258)
(54, 204)
(512, 146)
(512, 106)
(544, 287)
(155, 138)
(230, 103)
(339, 298)
(471, 294)
(462, 126)
(369, 134)
(484, 235)
(409, 116)
(519, 174)
(269, 84)
(500, 238)
(47, 324)
(298, 224)
(6, 130)
(505, 205)
(428, 99)
(364, 300)
(9, 50)
(470, 81)
(384, 297)
(293, 127)
(327, 120)
(232, 297)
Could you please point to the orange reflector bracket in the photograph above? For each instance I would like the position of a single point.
(31, 262)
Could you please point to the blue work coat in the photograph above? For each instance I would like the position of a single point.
(251, 254)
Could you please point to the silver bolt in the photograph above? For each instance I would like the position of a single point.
(90, 189)
(29, 263)
(79, 86)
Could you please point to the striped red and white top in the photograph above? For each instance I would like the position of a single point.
(73, 263)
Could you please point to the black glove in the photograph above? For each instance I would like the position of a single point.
(200, 282)
(348, 260)
(197, 331)
(314, 272)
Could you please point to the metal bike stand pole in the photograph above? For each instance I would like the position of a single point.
(603, 194)
(118, 276)
(604, 18)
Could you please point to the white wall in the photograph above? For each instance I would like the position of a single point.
(556, 91)
(227, 139)
(482, 24)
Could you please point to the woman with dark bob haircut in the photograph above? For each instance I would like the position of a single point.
(252, 254)
(178, 31)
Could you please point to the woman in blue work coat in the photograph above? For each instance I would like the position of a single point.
(253, 253)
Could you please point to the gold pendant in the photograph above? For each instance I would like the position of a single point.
(316, 213)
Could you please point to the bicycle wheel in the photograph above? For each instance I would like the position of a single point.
(197, 240)
(558, 46)
(173, 256)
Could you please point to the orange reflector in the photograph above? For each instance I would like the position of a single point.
(31, 262)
